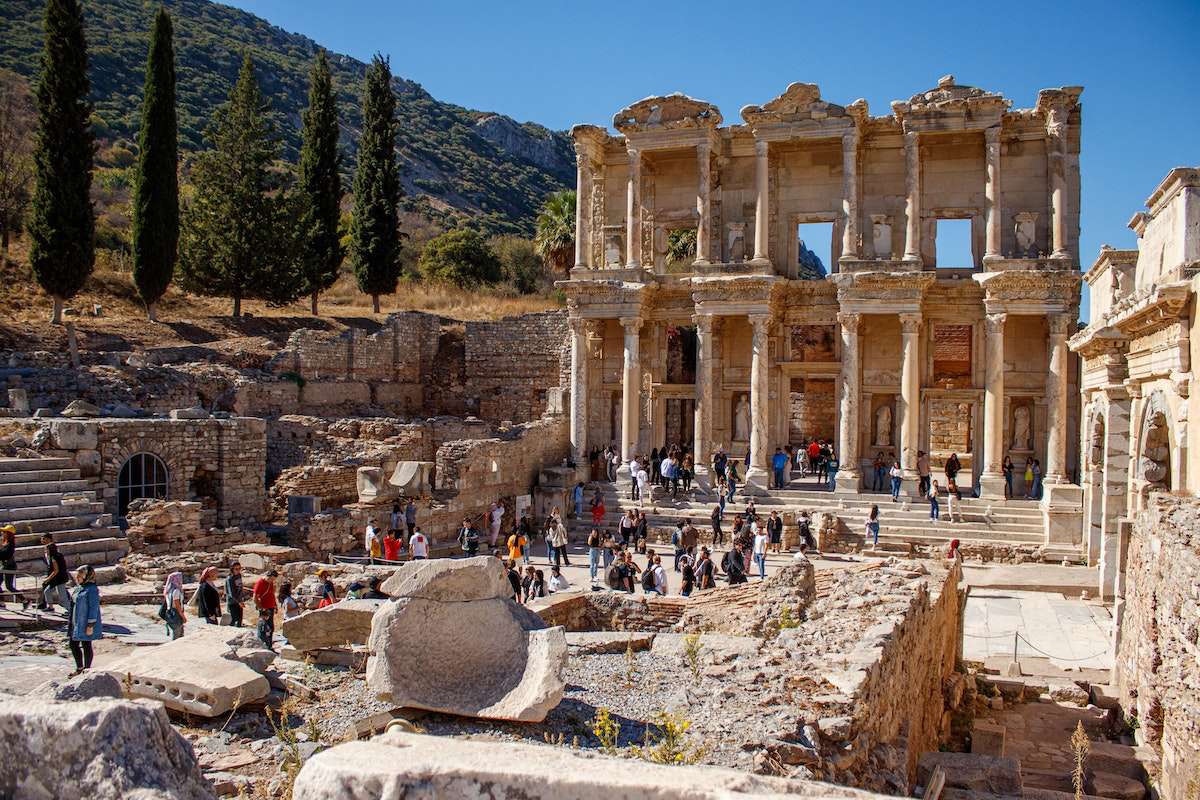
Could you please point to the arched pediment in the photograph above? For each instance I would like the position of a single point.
(667, 112)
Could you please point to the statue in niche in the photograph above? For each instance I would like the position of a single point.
(1020, 428)
(741, 420)
(883, 426)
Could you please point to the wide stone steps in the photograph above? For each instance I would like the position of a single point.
(16, 502)
(17, 516)
(40, 488)
(34, 464)
(65, 523)
(104, 548)
(38, 476)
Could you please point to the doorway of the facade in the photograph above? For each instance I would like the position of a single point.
(680, 421)
(812, 410)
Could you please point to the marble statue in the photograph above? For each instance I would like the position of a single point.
(741, 420)
(883, 426)
(1020, 428)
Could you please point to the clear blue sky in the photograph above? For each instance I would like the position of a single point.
(560, 63)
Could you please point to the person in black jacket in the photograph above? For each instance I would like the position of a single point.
(234, 594)
(208, 599)
(734, 565)
(8, 557)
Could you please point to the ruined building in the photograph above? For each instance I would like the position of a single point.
(751, 341)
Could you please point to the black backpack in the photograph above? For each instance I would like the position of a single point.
(648, 582)
(614, 577)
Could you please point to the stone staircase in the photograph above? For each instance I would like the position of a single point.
(977, 522)
(47, 495)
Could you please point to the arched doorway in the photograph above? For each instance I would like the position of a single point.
(142, 475)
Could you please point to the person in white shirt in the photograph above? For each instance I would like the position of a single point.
(760, 552)
(643, 484)
(497, 515)
(634, 467)
(557, 582)
(374, 545)
(418, 545)
(660, 576)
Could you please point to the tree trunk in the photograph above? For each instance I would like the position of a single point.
(237, 307)
(151, 312)
(314, 304)
(375, 302)
(56, 314)
(4, 244)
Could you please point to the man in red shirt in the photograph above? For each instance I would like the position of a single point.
(264, 601)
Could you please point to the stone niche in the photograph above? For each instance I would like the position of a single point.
(884, 425)
(735, 242)
(1020, 426)
(881, 235)
(952, 356)
(612, 246)
(949, 426)
(812, 409)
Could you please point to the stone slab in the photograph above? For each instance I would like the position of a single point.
(457, 579)
(987, 739)
(343, 624)
(977, 773)
(596, 642)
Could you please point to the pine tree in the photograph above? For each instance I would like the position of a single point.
(156, 193)
(320, 185)
(238, 233)
(374, 236)
(61, 226)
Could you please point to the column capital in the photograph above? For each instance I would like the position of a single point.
(910, 322)
(760, 320)
(579, 325)
(761, 147)
(992, 135)
(703, 148)
(995, 323)
(631, 325)
(1059, 324)
(634, 153)
(850, 140)
(912, 140)
(850, 320)
(704, 323)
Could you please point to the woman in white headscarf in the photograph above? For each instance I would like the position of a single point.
(172, 607)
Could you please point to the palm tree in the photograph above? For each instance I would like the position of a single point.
(555, 237)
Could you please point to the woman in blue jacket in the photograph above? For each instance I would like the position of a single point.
(85, 625)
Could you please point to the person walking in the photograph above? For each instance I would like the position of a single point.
(923, 472)
(54, 585)
(418, 545)
(516, 544)
(372, 543)
(495, 517)
(172, 612)
(660, 576)
(705, 571)
(760, 552)
(265, 602)
(935, 511)
(594, 544)
(775, 531)
(778, 462)
(85, 622)
(734, 565)
(558, 540)
(689, 578)
(872, 526)
(731, 479)
(1007, 469)
(8, 557)
(234, 594)
(952, 468)
(208, 599)
(897, 476)
(642, 478)
(804, 523)
(831, 469)
(287, 603)
(879, 468)
(468, 538)
(718, 535)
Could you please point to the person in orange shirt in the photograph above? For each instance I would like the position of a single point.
(516, 544)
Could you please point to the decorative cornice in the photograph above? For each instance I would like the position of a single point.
(1019, 291)
(801, 106)
(1150, 309)
(667, 112)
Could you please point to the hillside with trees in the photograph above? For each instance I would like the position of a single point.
(456, 165)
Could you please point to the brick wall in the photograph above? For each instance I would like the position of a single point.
(512, 363)
(1157, 668)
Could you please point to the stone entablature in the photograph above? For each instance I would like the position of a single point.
(953, 152)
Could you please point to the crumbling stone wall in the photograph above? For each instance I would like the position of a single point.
(511, 364)
(162, 527)
(1157, 667)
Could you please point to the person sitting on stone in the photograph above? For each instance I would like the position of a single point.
(326, 593)
(527, 583)
(537, 588)
(558, 583)
(286, 602)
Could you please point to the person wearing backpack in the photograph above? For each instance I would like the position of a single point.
(677, 543)
(171, 611)
(468, 538)
(705, 571)
(734, 565)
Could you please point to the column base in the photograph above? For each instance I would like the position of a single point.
(910, 487)
(991, 486)
(848, 480)
(623, 472)
(1052, 478)
(701, 481)
(758, 482)
(760, 261)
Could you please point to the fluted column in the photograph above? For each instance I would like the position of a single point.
(850, 195)
(758, 476)
(1056, 400)
(849, 476)
(579, 392)
(991, 192)
(631, 384)
(705, 405)
(910, 397)
(1056, 154)
(583, 194)
(912, 196)
(633, 211)
(991, 480)
(762, 213)
(703, 202)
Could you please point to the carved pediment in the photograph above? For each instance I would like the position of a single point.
(667, 112)
(798, 103)
(953, 98)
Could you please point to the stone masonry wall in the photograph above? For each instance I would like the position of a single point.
(511, 364)
(1157, 668)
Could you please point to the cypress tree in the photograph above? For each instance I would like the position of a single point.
(238, 233)
(61, 226)
(320, 185)
(156, 193)
(374, 237)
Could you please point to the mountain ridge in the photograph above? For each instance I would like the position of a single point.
(457, 164)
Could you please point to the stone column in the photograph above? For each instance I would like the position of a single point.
(850, 195)
(631, 395)
(910, 398)
(579, 393)
(583, 194)
(703, 202)
(1056, 154)
(912, 196)
(1056, 400)
(991, 481)
(633, 212)
(758, 476)
(991, 191)
(762, 213)
(849, 476)
(704, 399)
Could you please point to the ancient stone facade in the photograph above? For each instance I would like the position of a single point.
(897, 349)
(1138, 354)
(1156, 669)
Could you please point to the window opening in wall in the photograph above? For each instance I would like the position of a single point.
(681, 249)
(681, 354)
(143, 475)
(814, 249)
(952, 244)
